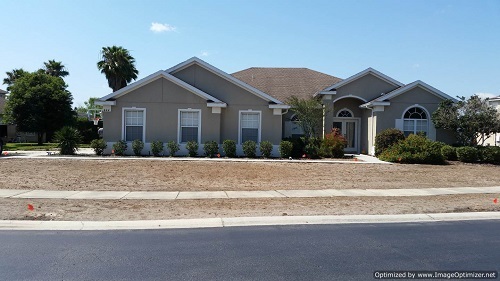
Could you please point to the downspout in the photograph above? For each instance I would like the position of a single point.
(372, 131)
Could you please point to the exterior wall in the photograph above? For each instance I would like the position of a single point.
(414, 97)
(494, 140)
(237, 99)
(162, 100)
(367, 87)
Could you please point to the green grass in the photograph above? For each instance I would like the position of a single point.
(28, 146)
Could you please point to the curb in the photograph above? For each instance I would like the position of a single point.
(242, 221)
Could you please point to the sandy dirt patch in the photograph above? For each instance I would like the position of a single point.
(150, 175)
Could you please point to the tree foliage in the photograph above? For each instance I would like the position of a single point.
(89, 107)
(118, 66)
(55, 68)
(310, 114)
(472, 120)
(12, 76)
(39, 103)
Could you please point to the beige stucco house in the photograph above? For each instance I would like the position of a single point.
(494, 140)
(197, 101)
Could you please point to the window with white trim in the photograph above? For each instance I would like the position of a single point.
(415, 121)
(189, 125)
(250, 126)
(344, 113)
(133, 124)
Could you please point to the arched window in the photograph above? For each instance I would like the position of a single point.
(344, 113)
(415, 121)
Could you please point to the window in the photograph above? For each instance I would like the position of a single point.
(134, 124)
(415, 121)
(344, 113)
(250, 126)
(189, 126)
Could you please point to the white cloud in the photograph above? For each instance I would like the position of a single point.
(485, 95)
(161, 27)
(205, 53)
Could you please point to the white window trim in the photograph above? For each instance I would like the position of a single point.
(179, 133)
(239, 124)
(415, 123)
(143, 124)
(346, 109)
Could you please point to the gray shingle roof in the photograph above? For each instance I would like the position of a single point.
(282, 83)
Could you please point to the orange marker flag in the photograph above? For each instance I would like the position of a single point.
(30, 207)
(495, 200)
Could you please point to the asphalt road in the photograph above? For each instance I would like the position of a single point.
(308, 252)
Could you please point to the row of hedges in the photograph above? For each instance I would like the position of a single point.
(392, 146)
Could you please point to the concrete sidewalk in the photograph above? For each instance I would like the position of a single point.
(184, 195)
(242, 221)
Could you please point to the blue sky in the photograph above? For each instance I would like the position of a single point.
(451, 45)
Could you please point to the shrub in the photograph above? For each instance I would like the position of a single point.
(229, 148)
(156, 148)
(137, 147)
(68, 140)
(467, 154)
(298, 146)
(120, 147)
(99, 145)
(414, 149)
(173, 147)
(249, 148)
(286, 148)
(192, 147)
(490, 155)
(266, 148)
(449, 152)
(386, 139)
(333, 144)
(312, 147)
(87, 129)
(211, 148)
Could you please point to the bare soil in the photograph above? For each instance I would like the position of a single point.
(150, 175)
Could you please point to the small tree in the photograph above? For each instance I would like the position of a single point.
(472, 120)
(310, 114)
(173, 147)
(68, 140)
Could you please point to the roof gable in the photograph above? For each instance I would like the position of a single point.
(282, 83)
(224, 75)
(363, 73)
(413, 85)
(157, 75)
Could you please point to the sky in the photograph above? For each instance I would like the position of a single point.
(452, 45)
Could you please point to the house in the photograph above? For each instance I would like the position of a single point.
(494, 140)
(197, 101)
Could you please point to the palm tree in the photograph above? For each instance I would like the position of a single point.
(55, 68)
(118, 66)
(12, 76)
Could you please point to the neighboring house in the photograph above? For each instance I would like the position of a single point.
(8, 131)
(196, 101)
(494, 140)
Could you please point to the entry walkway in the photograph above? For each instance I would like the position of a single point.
(184, 195)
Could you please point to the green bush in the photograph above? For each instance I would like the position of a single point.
(87, 129)
(449, 152)
(156, 148)
(250, 148)
(414, 149)
(229, 148)
(173, 147)
(298, 146)
(266, 148)
(192, 147)
(312, 148)
(68, 140)
(120, 147)
(137, 147)
(286, 148)
(490, 155)
(98, 145)
(386, 139)
(467, 154)
(333, 144)
(211, 148)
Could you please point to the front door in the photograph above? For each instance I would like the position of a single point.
(349, 128)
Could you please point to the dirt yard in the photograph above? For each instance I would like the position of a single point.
(150, 175)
